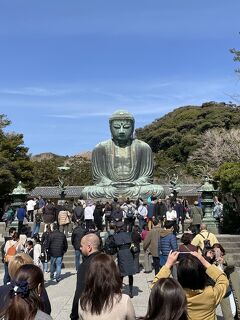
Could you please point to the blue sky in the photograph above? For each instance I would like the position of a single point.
(67, 65)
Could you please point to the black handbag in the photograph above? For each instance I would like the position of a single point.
(134, 249)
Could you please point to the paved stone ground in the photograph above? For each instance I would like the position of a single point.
(61, 294)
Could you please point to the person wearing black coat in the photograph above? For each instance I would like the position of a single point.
(90, 247)
(160, 210)
(45, 246)
(49, 213)
(136, 240)
(117, 216)
(97, 214)
(78, 213)
(77, 235)
(124, 256)
(57, 247)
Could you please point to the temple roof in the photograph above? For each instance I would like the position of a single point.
(75, 191)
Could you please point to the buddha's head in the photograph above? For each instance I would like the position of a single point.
(122, 127)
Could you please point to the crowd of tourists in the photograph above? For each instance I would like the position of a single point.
(191, 277)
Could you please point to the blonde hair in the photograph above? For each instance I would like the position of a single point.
(17, 261)
(22, 239)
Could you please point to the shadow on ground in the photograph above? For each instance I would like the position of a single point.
(136, 290)
(63, 276)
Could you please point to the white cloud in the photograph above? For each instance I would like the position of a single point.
(34, 91)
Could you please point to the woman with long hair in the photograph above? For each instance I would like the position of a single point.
(16, 262)
(167, 301)
(102, 297)
(25, 292)
(192, 272)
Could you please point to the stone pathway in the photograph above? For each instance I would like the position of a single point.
(61, 294)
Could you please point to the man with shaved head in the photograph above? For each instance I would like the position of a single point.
(89, 247)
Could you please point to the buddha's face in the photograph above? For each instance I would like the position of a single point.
(122, 130)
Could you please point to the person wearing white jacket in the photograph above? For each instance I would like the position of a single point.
(37, 249)
(88, 214)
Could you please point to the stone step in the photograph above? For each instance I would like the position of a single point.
(222, 238)
(227, 245)
(231, 243)
(232, 250)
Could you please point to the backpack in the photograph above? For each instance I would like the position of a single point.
(36, 207)
(10, 252)
(206, 244)
(130, 212)
(110, 246)
(38, 217)
(217, 211)
(78, 213)
(8, 215)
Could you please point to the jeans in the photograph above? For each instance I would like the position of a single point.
(45, 266)
(142, 223)
(77, 258)
(6, 277)
(55, 265)
(20, 225)
(64, 228)
(36, 228)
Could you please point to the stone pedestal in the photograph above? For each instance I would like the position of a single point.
(212, 223)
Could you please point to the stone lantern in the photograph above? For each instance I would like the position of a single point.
(61, 180)
(207, 190)
(174, 188)
(19, 196)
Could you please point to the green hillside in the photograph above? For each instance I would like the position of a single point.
(177, 133)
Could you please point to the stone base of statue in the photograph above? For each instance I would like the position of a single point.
(122, 190)
(210, 221)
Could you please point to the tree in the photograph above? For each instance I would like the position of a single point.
(46, 172)
(236, 57)
(15, 161)
(80, 171)
(178, 133)
(228, 176)
(218, 146)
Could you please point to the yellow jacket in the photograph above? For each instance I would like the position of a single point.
(201, 304)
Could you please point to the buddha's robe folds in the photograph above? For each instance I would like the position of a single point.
(122, 171)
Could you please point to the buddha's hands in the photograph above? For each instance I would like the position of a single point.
(141, 181)
(105, 182)
(124, 184)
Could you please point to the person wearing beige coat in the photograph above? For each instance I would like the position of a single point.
(151, 243)
(63, 221)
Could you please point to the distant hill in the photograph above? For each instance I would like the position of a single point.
(46, 156)
(177, 134)
(49, 155)
(85, 154)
